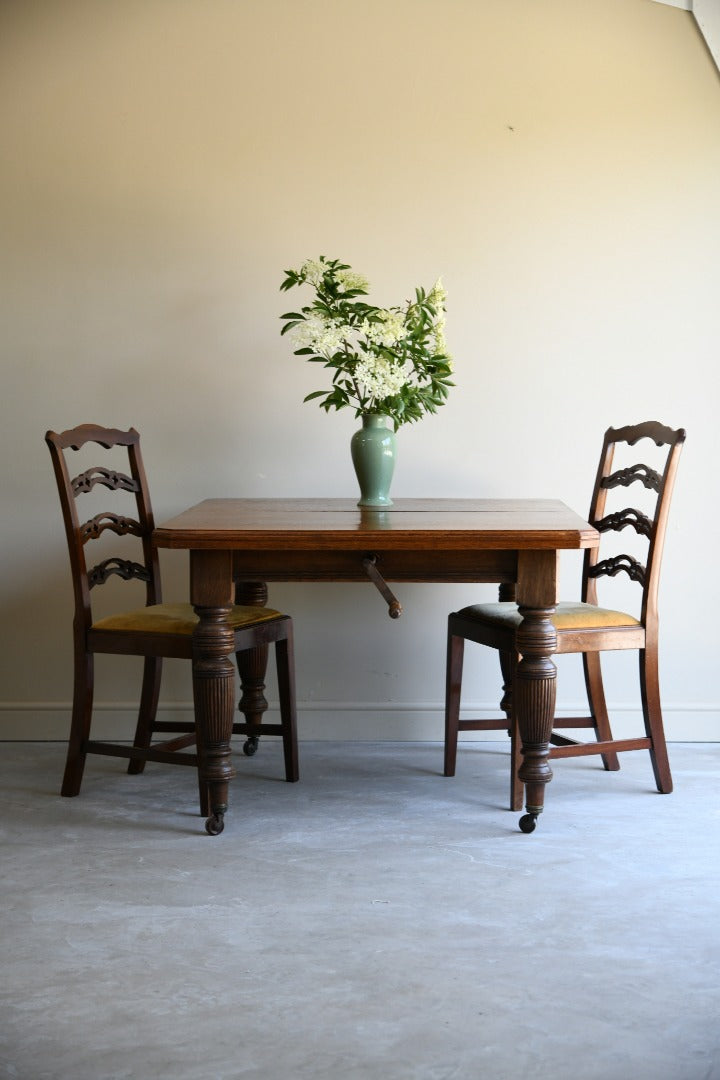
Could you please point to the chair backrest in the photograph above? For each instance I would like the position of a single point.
(81, 531)
(651, 524)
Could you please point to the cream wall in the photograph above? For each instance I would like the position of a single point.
(164, 162)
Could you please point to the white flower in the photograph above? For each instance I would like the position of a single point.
(437, 295)
(313, 270)
(348, 279)
(321, 335)
(380, 378)
(383, 359)
(387, 330)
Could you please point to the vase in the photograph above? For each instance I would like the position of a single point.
(373, 455)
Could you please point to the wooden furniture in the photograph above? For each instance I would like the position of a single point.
(585, 627)
(154, 630)
(253, 541)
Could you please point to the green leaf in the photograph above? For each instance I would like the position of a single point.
(289, 326)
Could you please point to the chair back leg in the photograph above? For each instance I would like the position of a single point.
(652, 715)
(80, 723)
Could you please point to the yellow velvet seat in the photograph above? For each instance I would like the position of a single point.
(177, 619)
(584, 626)
(156, 630)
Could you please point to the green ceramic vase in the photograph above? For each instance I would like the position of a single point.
(373, 455)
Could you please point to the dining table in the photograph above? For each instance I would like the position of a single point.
(237, 545)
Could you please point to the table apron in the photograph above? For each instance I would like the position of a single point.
(436, 565)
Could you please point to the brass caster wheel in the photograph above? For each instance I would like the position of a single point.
(528, 823)
(250, 746)
(215, 824)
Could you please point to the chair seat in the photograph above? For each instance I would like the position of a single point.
(178, 619)
(567, 616)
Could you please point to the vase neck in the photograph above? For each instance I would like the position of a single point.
(374, 419)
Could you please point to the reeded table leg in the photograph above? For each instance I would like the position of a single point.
(213, 678)
(535, 683)
(535, 676)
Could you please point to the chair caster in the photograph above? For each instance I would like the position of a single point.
(528, 822)
(215, 824)
(250, 746)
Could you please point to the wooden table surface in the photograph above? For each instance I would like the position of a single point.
(321, 523)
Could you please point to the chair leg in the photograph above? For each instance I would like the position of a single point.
(80, 724)
(598, 708)
(517, 788)
(149, 697)
(203, 793)
(508, 664)
(453, 684)
(285, 660)
(652, 714)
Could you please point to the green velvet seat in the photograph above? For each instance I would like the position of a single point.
(566, 617)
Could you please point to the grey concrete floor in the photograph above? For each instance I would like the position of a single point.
(374, 920)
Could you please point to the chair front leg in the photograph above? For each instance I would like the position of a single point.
(508, 666)
(285, 660)
(598, 708)
(149, 697)
(453, 683)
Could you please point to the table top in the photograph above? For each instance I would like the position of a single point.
(323, 524)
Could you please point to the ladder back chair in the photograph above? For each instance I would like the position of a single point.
(153, 630)
(585, 627)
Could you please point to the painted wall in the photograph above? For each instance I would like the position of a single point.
(163, 163)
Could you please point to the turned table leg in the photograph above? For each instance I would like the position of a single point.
(252, 665)
(213, 678)
(535, 676)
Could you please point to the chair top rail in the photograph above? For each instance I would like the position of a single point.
(660, 434)
(75, 438)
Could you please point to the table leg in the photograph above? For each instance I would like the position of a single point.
(535, 676)
(252, 664)
(213, 679)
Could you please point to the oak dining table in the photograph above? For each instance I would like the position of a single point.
(237, 545)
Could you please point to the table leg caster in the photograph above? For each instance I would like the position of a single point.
(250, 746)
(215, 824)
(528, 822)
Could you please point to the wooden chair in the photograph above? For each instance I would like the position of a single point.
(155, 630)
(585, 627)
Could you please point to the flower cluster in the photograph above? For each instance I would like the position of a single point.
(383, 360)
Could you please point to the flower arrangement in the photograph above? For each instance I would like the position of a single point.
(392, 361)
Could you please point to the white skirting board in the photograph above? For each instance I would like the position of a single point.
(359, 721)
